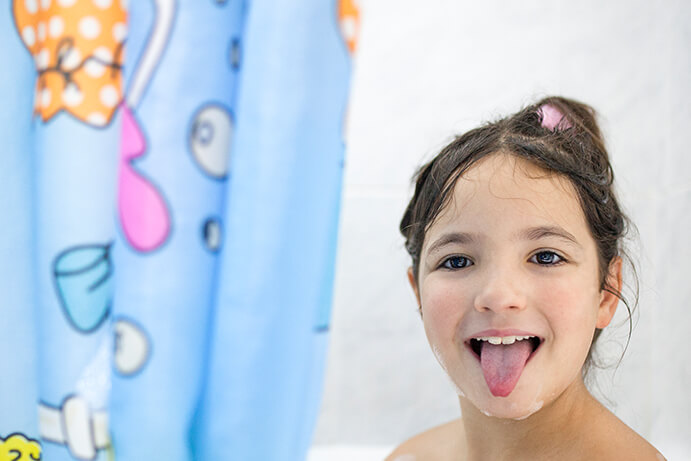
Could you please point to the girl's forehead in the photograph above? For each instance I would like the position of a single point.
(505, 171)
(504, 186)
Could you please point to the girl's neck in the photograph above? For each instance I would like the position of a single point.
(553, 430)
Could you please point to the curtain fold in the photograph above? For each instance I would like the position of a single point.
(180, 105)
(290, 118)
(18, 332)
(172, 185)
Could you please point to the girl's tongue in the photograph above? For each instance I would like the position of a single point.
(502, 365)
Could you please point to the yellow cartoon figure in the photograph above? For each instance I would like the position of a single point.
(16, 447)
(77, 46)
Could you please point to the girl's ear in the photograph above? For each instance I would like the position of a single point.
(608, 300)
(413, 285)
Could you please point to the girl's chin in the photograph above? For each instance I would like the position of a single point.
(516, 406)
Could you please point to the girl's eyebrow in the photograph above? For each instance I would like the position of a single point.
(460, 238)
(531, 233)
(539, 232)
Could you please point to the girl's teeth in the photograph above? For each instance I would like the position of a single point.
(502, 340)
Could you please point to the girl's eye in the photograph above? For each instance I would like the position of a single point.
(456, 262)
(546, 258)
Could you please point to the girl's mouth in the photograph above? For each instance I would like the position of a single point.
(475, 344)
(503, 358)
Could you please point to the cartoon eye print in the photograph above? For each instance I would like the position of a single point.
(349, 21)
(210, 137)
(78, 51)
(132, 347)
(212, 234)
(235, 54)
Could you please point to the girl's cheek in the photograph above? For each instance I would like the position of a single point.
(443, 307)
(570, 303)
(443, 298)
(571, 311)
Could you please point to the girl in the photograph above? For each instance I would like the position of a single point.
(515, 236)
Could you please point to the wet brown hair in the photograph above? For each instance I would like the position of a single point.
(573, 149)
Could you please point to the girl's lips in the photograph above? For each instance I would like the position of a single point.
(472, 343)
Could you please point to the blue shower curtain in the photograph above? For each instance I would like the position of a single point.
(169, 185)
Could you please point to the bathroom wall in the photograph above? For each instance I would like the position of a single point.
(427, 70)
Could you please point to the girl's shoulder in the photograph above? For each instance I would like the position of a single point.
(616, 440)
(609, 441)
(440, 443)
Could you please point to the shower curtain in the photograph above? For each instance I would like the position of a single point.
(169, 191)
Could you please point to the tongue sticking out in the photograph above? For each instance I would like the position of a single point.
(502, 365)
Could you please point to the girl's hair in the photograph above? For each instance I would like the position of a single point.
(558, 135)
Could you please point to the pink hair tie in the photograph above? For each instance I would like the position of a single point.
(552, 118)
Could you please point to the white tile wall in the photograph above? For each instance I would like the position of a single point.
(380, 373)
(428, 70)
(671, 371)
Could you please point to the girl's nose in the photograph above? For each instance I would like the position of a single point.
(501, 290)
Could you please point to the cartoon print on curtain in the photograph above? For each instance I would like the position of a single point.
(349, 20)
(144, 215)
(282, 206)
(78, 50)
(78, 47)
(79, 67)
(84, 431)
(83, 280)
(210, 136)
(132, 346)
(17, 447)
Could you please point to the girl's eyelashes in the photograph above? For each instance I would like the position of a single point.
(541, 258)
(456, 262)
(547, 258)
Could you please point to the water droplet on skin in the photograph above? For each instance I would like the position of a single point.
(534, 409)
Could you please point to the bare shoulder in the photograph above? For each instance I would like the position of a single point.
(616, 440)
(441, 443)
(638, 449)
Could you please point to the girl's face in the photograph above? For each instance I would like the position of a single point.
(511, 255)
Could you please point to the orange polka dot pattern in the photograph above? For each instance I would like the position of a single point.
(349, 19)
(78, 50)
